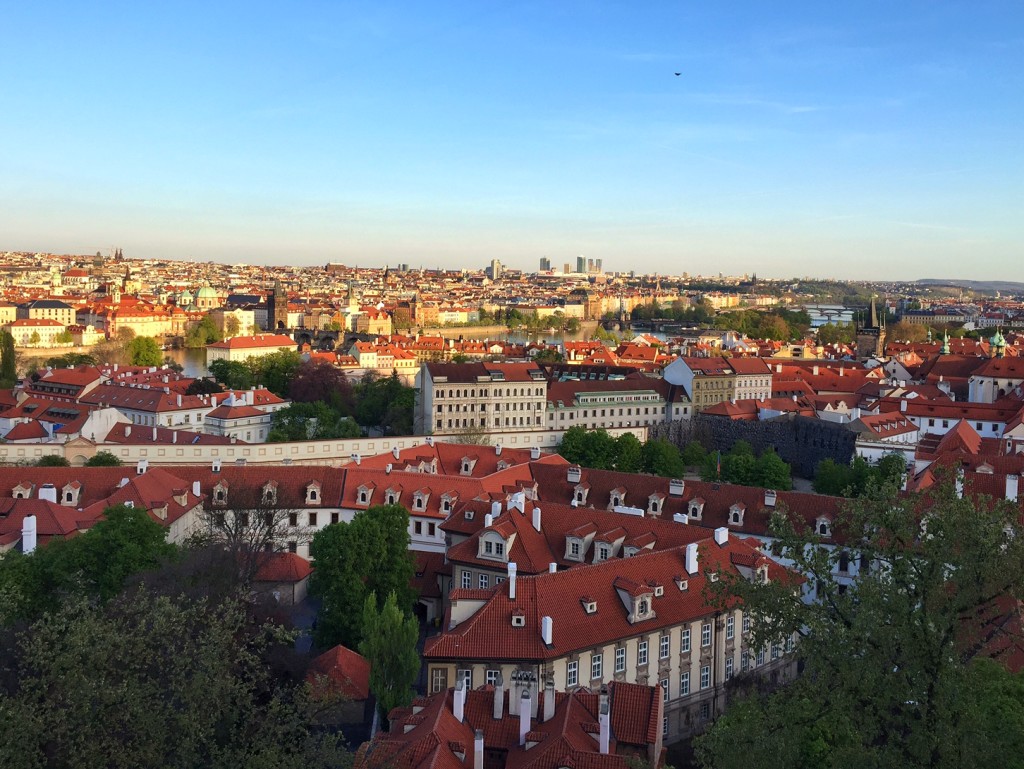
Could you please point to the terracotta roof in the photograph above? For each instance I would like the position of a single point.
(282, 567)
(346, 672)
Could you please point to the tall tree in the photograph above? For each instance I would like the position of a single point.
(888, 676)
(661, 457)
(233, 374)
(389, 643)
(144, 351)
(8, 364)
(319, 380)
(628, 454)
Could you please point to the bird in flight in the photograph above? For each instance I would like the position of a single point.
(678, 74)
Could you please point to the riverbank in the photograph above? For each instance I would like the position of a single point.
(586, 329)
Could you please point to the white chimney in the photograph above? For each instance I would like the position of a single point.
(721, 535)
(213, 401)
(512, 568)
(430, 440)
(499, 697)
(552, 567)
(676, 487)
(154, 432)
(387, 468)
(179, 400)
(395, 452)
(48, 492)
(536, 518)
(142, 465)
(814, 370)
(517, 502)
(174, 437)
(459, 700)
(903, 405)
(127, 430)
(770, 497)
(547, 630)
(495, 509)
(488, 521)
(28, 534)
(604, 721)
(535, 452)
(573, 474)
(1012, 486)
(357, 459)
(215, 466)
(549, 699)
(497, 449)
(691, 558)
(524, 716)
(681, 518)
(478, 749)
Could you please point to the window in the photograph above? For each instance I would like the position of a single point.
(789, 644)
(744, 662)
(492, 677)
(705, 711)
(293, 547)
(499, 548)
(595, 665)
(293, 519)
(438, 679)
(685, 645)
(746, 624)
(760, 656)
(484, 582)
(312, 519)
(574, 549)
(705, 634)
(776, 651)
(620, 659)
(466, 675)
(730, 628)
(467, 579)
(641, 653)
(728, 668)
(602, 553)
(335, 517)
(663, 646)
(572, 673)
(664, 689)
(705, 677)
(664, 726)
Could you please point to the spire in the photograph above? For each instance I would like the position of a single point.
(945, 343)
(874, 313)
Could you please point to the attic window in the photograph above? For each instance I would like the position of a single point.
(590, 607)
(362, 497)
(824, 527)
(682, 584)
(655, 506)
(391, 498)
(518, 620)
(469, 515)
(616, 501)
(446, 505)
(658, 591)
(419, 502)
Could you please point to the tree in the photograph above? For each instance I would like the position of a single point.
(64, 337)
(319, 380)
(34, 339)
(310, 421)
(694, 454)
(231, 326)
(275, 371)
(203, 333)
(837, 333)
(144, 351)
(888, 675)
(150, 680)
(386, 404)
(52, 460)
(571, 447)
(233, 374)
(772, 473)
(368, 555)
(905, 331)
(662, 458)
(389, 643)
(628, 454)
(103, 459)
(203, 386)
(548, 355)
(8, 361)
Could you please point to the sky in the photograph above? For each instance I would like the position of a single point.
(865, 140)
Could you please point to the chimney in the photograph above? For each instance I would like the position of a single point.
(127, 430)
(142, 465)
(770, 497)
(552, 567)
(459, 700)
(174, 437)
(394, 452)
(430, 440)
(549, 698)
(814, 370)
(536, 518)
(213, 401)
(535, 452)
(179, 400)
(676, 487)
(497, 449)
(524, 716)
(903, 405)
(387, 468)
(196, 489)
(154, 432)
(691, 558)
(1012, 486)
(512, 568)
(573, 474)
(48, 492)
(28, 534)
(357, 459)
(604, 720)
(495, 509)
(681, 518)
(499, 697)
(721, 535)
(488, 521)
(478, 749)
(215, 466)
(547, 630)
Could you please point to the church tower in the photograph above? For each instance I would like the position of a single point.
(871, 335)
(277, 308)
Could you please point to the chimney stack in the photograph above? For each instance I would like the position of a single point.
(196, 488)
(48, 492)
(547, 629)
(721, 535)
(535, 452)
(681, 518)
(573, 474)
(604, 721)
(142, 465)
(903, 405)
(459, 700)
(512, 567)
(691, 558)
(549, 698)
(1012, 486)
(478, 749)
(770, 497)
(497, 449)
(524, 716)
(676, 486)
(499, 697)
(552, 567)
(28, 534)
(488, 521)
(495, 509)
(536, 518)
(395, 452)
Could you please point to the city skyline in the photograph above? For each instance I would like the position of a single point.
(867, 143)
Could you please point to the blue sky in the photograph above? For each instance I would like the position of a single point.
(859, 140)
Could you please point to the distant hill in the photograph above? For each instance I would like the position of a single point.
(984, 286)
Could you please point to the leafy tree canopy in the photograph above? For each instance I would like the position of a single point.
(103, 459)
(144, 351)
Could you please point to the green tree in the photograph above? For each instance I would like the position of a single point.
(888, 677)
(549, 355)
(203, 333)
(832, 478)
(149, 680)
(64, 337)
(837, 333)
(368, 555)
(275, 371)
(8, 361)
(386, 404)
(233, 374)
(772, 473)
(144, 351)
(52, 460)
(310, 421)
(661, 457)
(389, 643)
(34, 339)
(694, 454)
(571, 446)
(203, 386)
(628, 454)
(231, 326)
(103, 459)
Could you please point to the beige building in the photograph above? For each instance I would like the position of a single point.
(47, 309)
(240, 348)
(712, 380)
(455, 397)
(35, 332)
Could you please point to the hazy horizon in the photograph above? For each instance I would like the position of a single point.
(874, 142)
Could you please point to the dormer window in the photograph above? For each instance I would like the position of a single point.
(313, 494)
(736, 513)
(580, 492)
(696, 508)
(518, 619)
(446, 504)
(391, 497)
(419, 501)
(220, 494)
(270, 494)
(22, 491)
(575, 548)
(69, 494)
(659, 591)
(654, 504)
(762, 574)
(467, 465)
(603, 552)
(824, 527)
(629, 552)
(590, 607)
